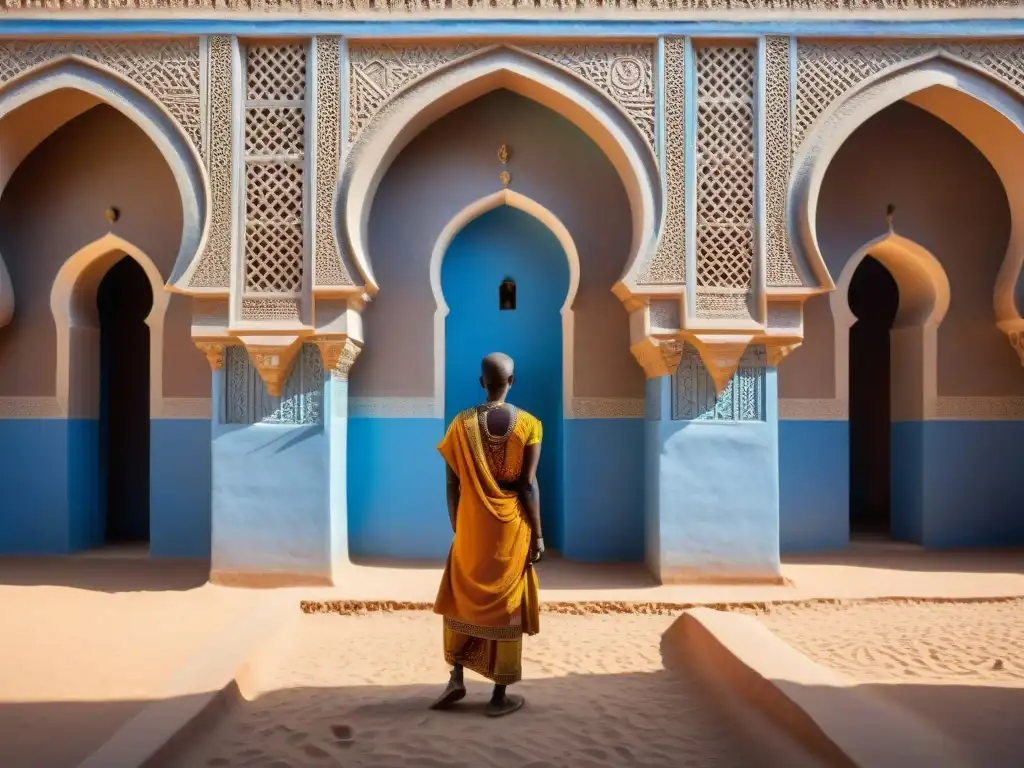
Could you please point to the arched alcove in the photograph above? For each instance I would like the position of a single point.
(52, 94)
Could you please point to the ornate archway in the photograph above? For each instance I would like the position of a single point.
(414, 107)
(987, 111)
(79, 74)
(472, 211)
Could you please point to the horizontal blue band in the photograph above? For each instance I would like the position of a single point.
(555, 27)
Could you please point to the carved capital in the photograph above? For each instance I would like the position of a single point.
(658, 357)
(272, 357)
(1017, 342)
(339, 354)
(777, 352)
(721, 354)
(214, 351)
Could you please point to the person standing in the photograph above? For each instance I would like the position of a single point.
(489, 593)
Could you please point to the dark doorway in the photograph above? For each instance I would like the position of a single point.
(124, 299)
(874, 299)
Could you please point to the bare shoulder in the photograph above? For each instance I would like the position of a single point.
(526, 416)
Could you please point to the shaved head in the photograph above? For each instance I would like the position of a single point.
(496, 371)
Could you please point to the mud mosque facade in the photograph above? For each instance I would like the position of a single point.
(759, 265)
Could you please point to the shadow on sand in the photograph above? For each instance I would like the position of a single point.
(100, 574)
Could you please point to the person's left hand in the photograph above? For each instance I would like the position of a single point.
(536, 551)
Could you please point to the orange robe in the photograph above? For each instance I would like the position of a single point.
(489, 592)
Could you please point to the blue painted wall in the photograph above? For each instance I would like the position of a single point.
(604, 490)
(954, 484)
(504, 243)
(396, 499)
(973, 493)
(270, 501)
(814, 474)
(713, 497)
(50, 473)
(179, 500)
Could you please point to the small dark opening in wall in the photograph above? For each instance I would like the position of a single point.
(507, 294)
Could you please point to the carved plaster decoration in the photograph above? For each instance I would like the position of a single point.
(607, 408)
(668, 266)
(665, 315)
(31, 408)
(166, 69)
(911, 71)
(415, 105)
(339, 354)
(299, 402)
(658, 357)
(329, 267)
(214, 267)
(696, 396)
(272, 356)
(531, 8)
(778, 158)
(778, 352)
(275, 179)
(721, 355)
(724, 228)
(1017, 342)
(624, 71)
(214, 351)
(825, 71)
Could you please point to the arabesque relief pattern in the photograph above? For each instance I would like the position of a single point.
(168, 69)
(668, 266)
(328, 269)
(778, 161)
(214, 268)
(694, 397)
(624, 71)
(248, 402)
(826, 71)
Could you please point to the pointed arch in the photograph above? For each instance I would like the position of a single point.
(73, 305)
(986, 111)
(458, 222)
(924, 300)
(79, 74)
(431, 97)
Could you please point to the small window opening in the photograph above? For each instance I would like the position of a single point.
(507, 295)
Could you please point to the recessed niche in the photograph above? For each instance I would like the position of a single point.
(507, 295)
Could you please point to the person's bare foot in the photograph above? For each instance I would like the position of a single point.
(453, 692)
(506, 705)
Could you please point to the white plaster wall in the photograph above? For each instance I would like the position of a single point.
(950, 201)
(455, 162)
(53, 206)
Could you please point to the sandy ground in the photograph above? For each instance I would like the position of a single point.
(960, 665)
(86, 644)
(356, 690)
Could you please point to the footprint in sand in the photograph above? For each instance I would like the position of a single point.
(343, 733)
(296, 738)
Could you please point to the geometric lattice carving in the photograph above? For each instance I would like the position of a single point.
(167, 69)
(826, 71)
(623, 71)
(248, 402)
(669, 262)
(214, 268)
(743, 399)
(274, 169)
(777, 161)
(329, 267)
(276, 72)
(279, 310)
(725, 166)
(275, 131)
